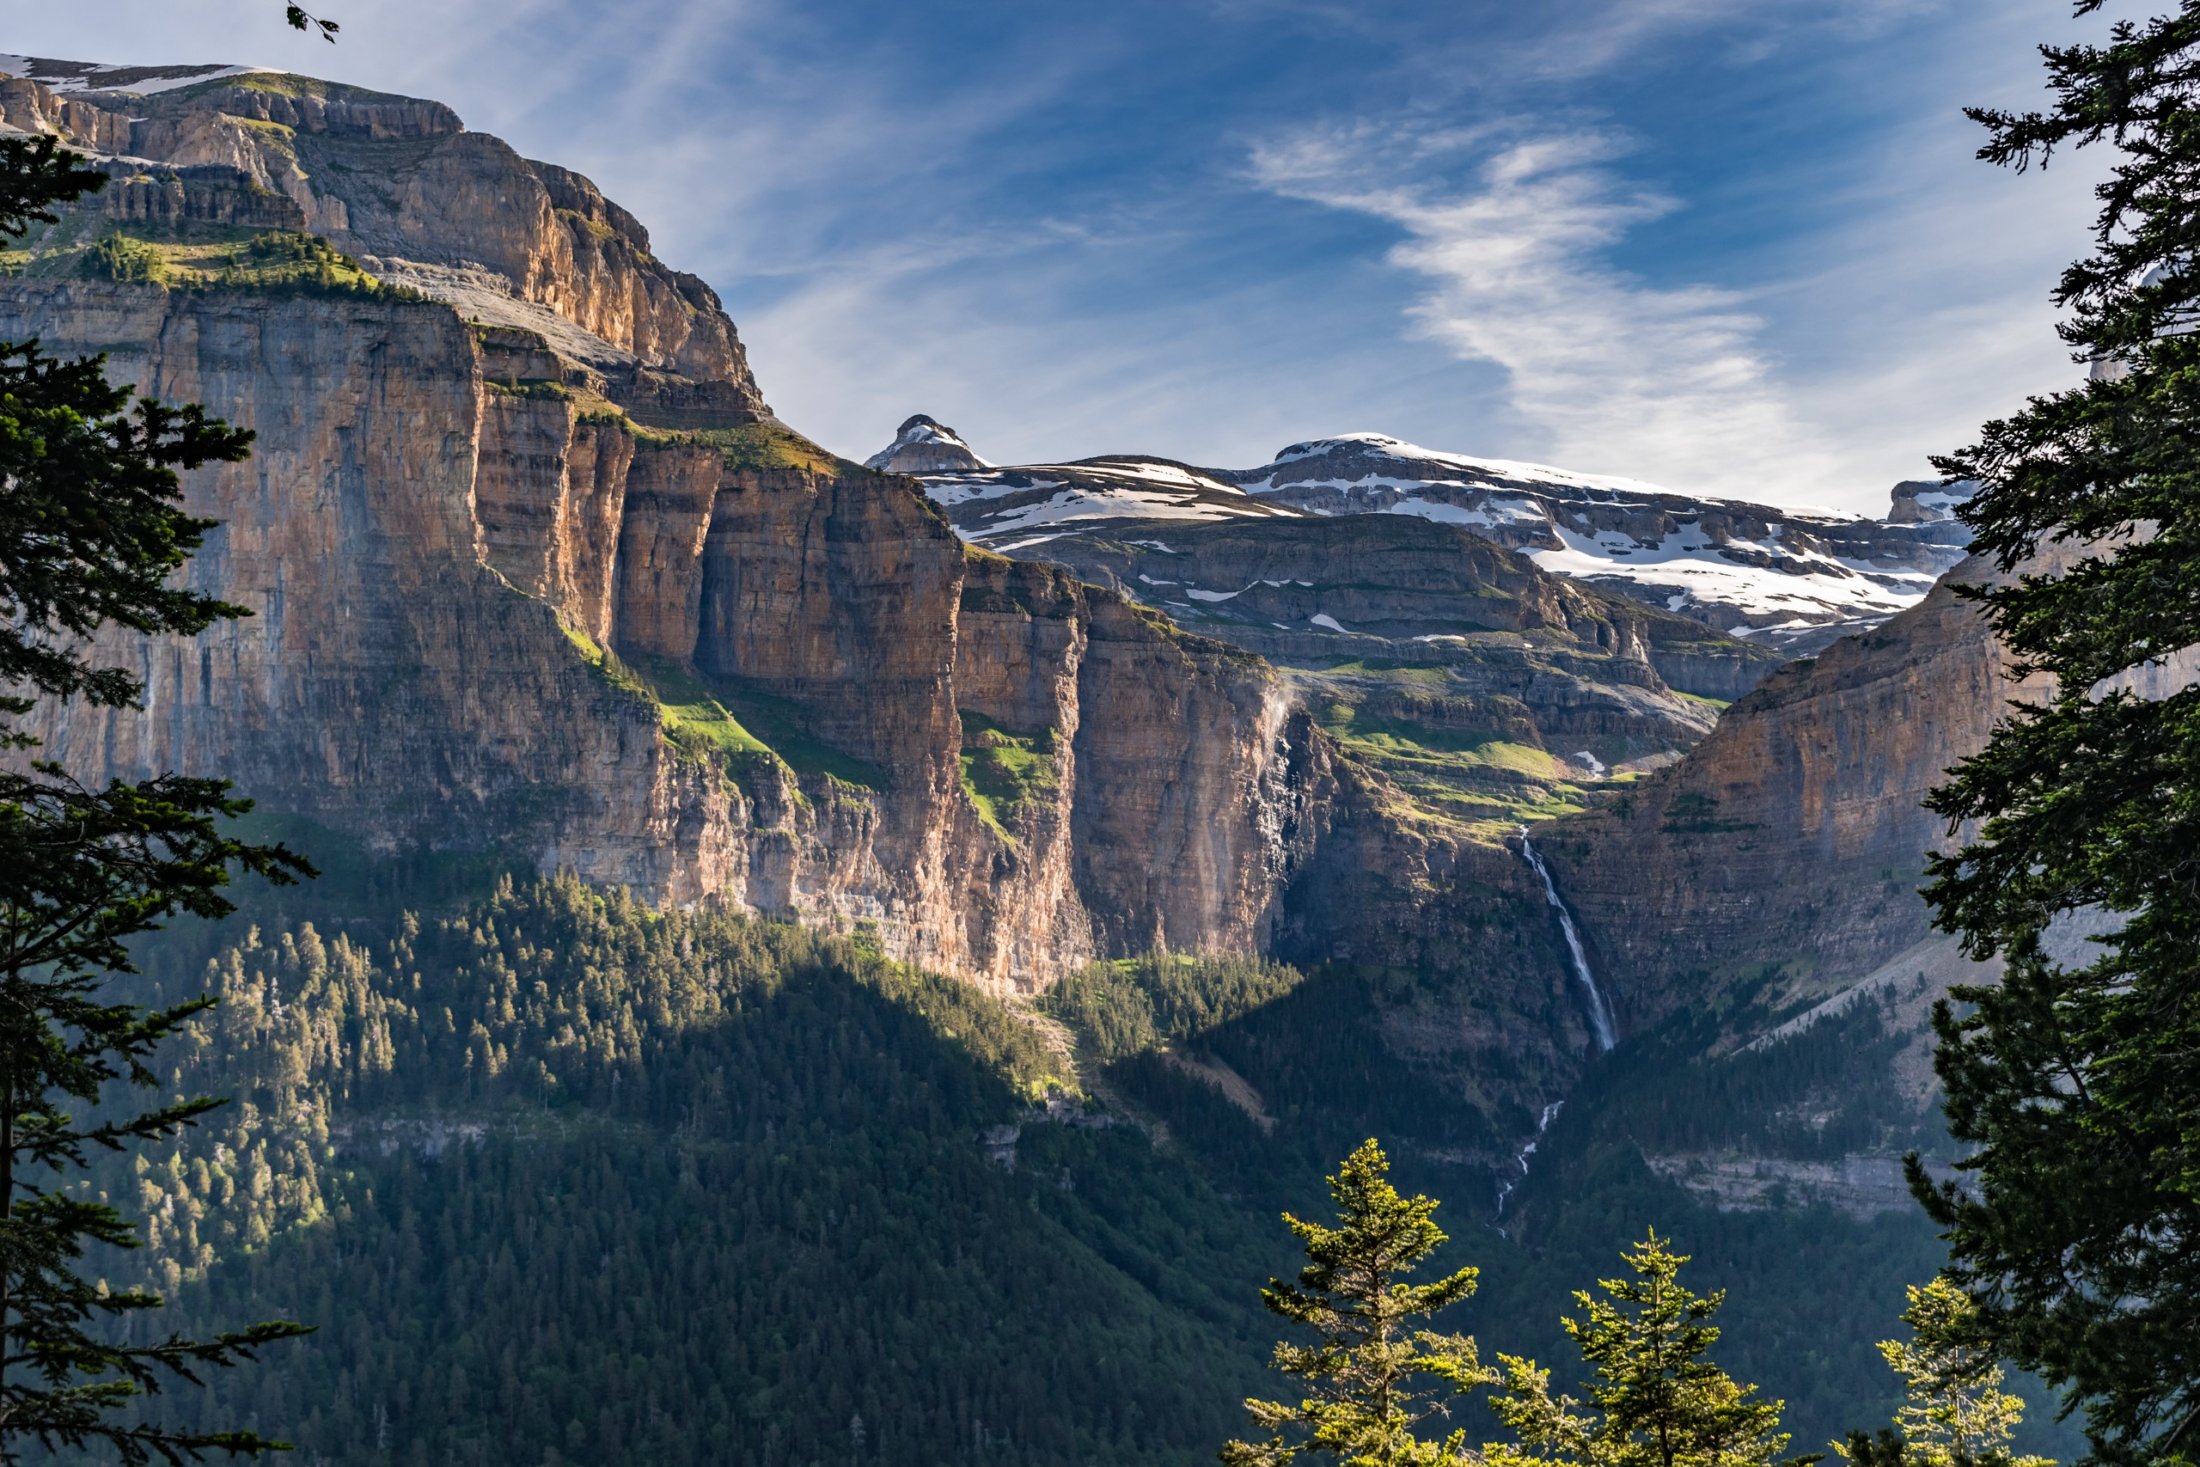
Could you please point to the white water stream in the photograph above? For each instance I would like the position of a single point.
(1600, 1012)
(1504, 1193)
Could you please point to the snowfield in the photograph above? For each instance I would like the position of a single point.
(1095, 489)
(72, 76)
(1792, 577)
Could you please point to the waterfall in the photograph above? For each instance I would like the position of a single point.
(1600, 1013)
(1504, 1193)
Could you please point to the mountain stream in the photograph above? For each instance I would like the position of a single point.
(1505, 1189)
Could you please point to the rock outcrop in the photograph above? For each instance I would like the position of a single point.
(1928, 501)
(401, 184)
(925, 445)
(494, 618)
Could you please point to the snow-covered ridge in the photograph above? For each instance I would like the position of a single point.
(84, 76)
(1485, 471)
(1791, 578)
(992, 505)
(925, 446)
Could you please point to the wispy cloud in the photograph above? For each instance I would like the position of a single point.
(1579, 39)
(1615, 373)
(1010, 217)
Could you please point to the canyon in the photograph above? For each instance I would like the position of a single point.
(533, 572)
(536, 574)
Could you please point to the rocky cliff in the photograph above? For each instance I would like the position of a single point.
(531, 569)
(491, 618)
(401, 184)
(925, 446)
(1794, 834)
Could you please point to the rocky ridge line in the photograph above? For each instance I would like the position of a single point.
(1791, 580)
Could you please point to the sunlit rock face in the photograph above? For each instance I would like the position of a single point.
(533, 571)
(1795, 836)
(401, 184)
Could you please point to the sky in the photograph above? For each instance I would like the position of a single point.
(1736, 247)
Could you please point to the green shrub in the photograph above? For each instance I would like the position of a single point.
(118, 257)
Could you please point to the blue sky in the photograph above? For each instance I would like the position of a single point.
(1734, 246)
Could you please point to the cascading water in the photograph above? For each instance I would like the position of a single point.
(1600, 1013)
(1543, 1123)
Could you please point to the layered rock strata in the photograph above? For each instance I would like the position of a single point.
(401, 184)
(1794, 835)
(483, 616)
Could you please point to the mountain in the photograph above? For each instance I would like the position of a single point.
(1792, 580)
(813, 963)
(923, 446)
(534, 570)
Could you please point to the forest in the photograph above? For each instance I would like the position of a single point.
(560, 1177)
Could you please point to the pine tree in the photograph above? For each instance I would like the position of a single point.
(91, 533)
(1659, 1402)
(2078, 1084)
(1366, 1401)
(1955, 1414)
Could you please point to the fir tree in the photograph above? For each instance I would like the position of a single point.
(1659, 1402)
(2078, 1084)
(1366, 1401)
(1955, 1413)
(91, 534)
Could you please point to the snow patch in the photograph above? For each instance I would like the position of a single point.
(951, 490)
(1072, 504)
(1688, 565)
(77, 76)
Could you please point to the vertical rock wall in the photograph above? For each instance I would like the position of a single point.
(1794, 835)
(429, 556)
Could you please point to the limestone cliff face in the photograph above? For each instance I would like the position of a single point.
(488, 618)
(399, 182)
(1793, 835)
(533, 572)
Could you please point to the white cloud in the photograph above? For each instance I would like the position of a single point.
(1665, 383)
(848, 206)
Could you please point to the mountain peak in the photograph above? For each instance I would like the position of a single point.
(925, 445)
